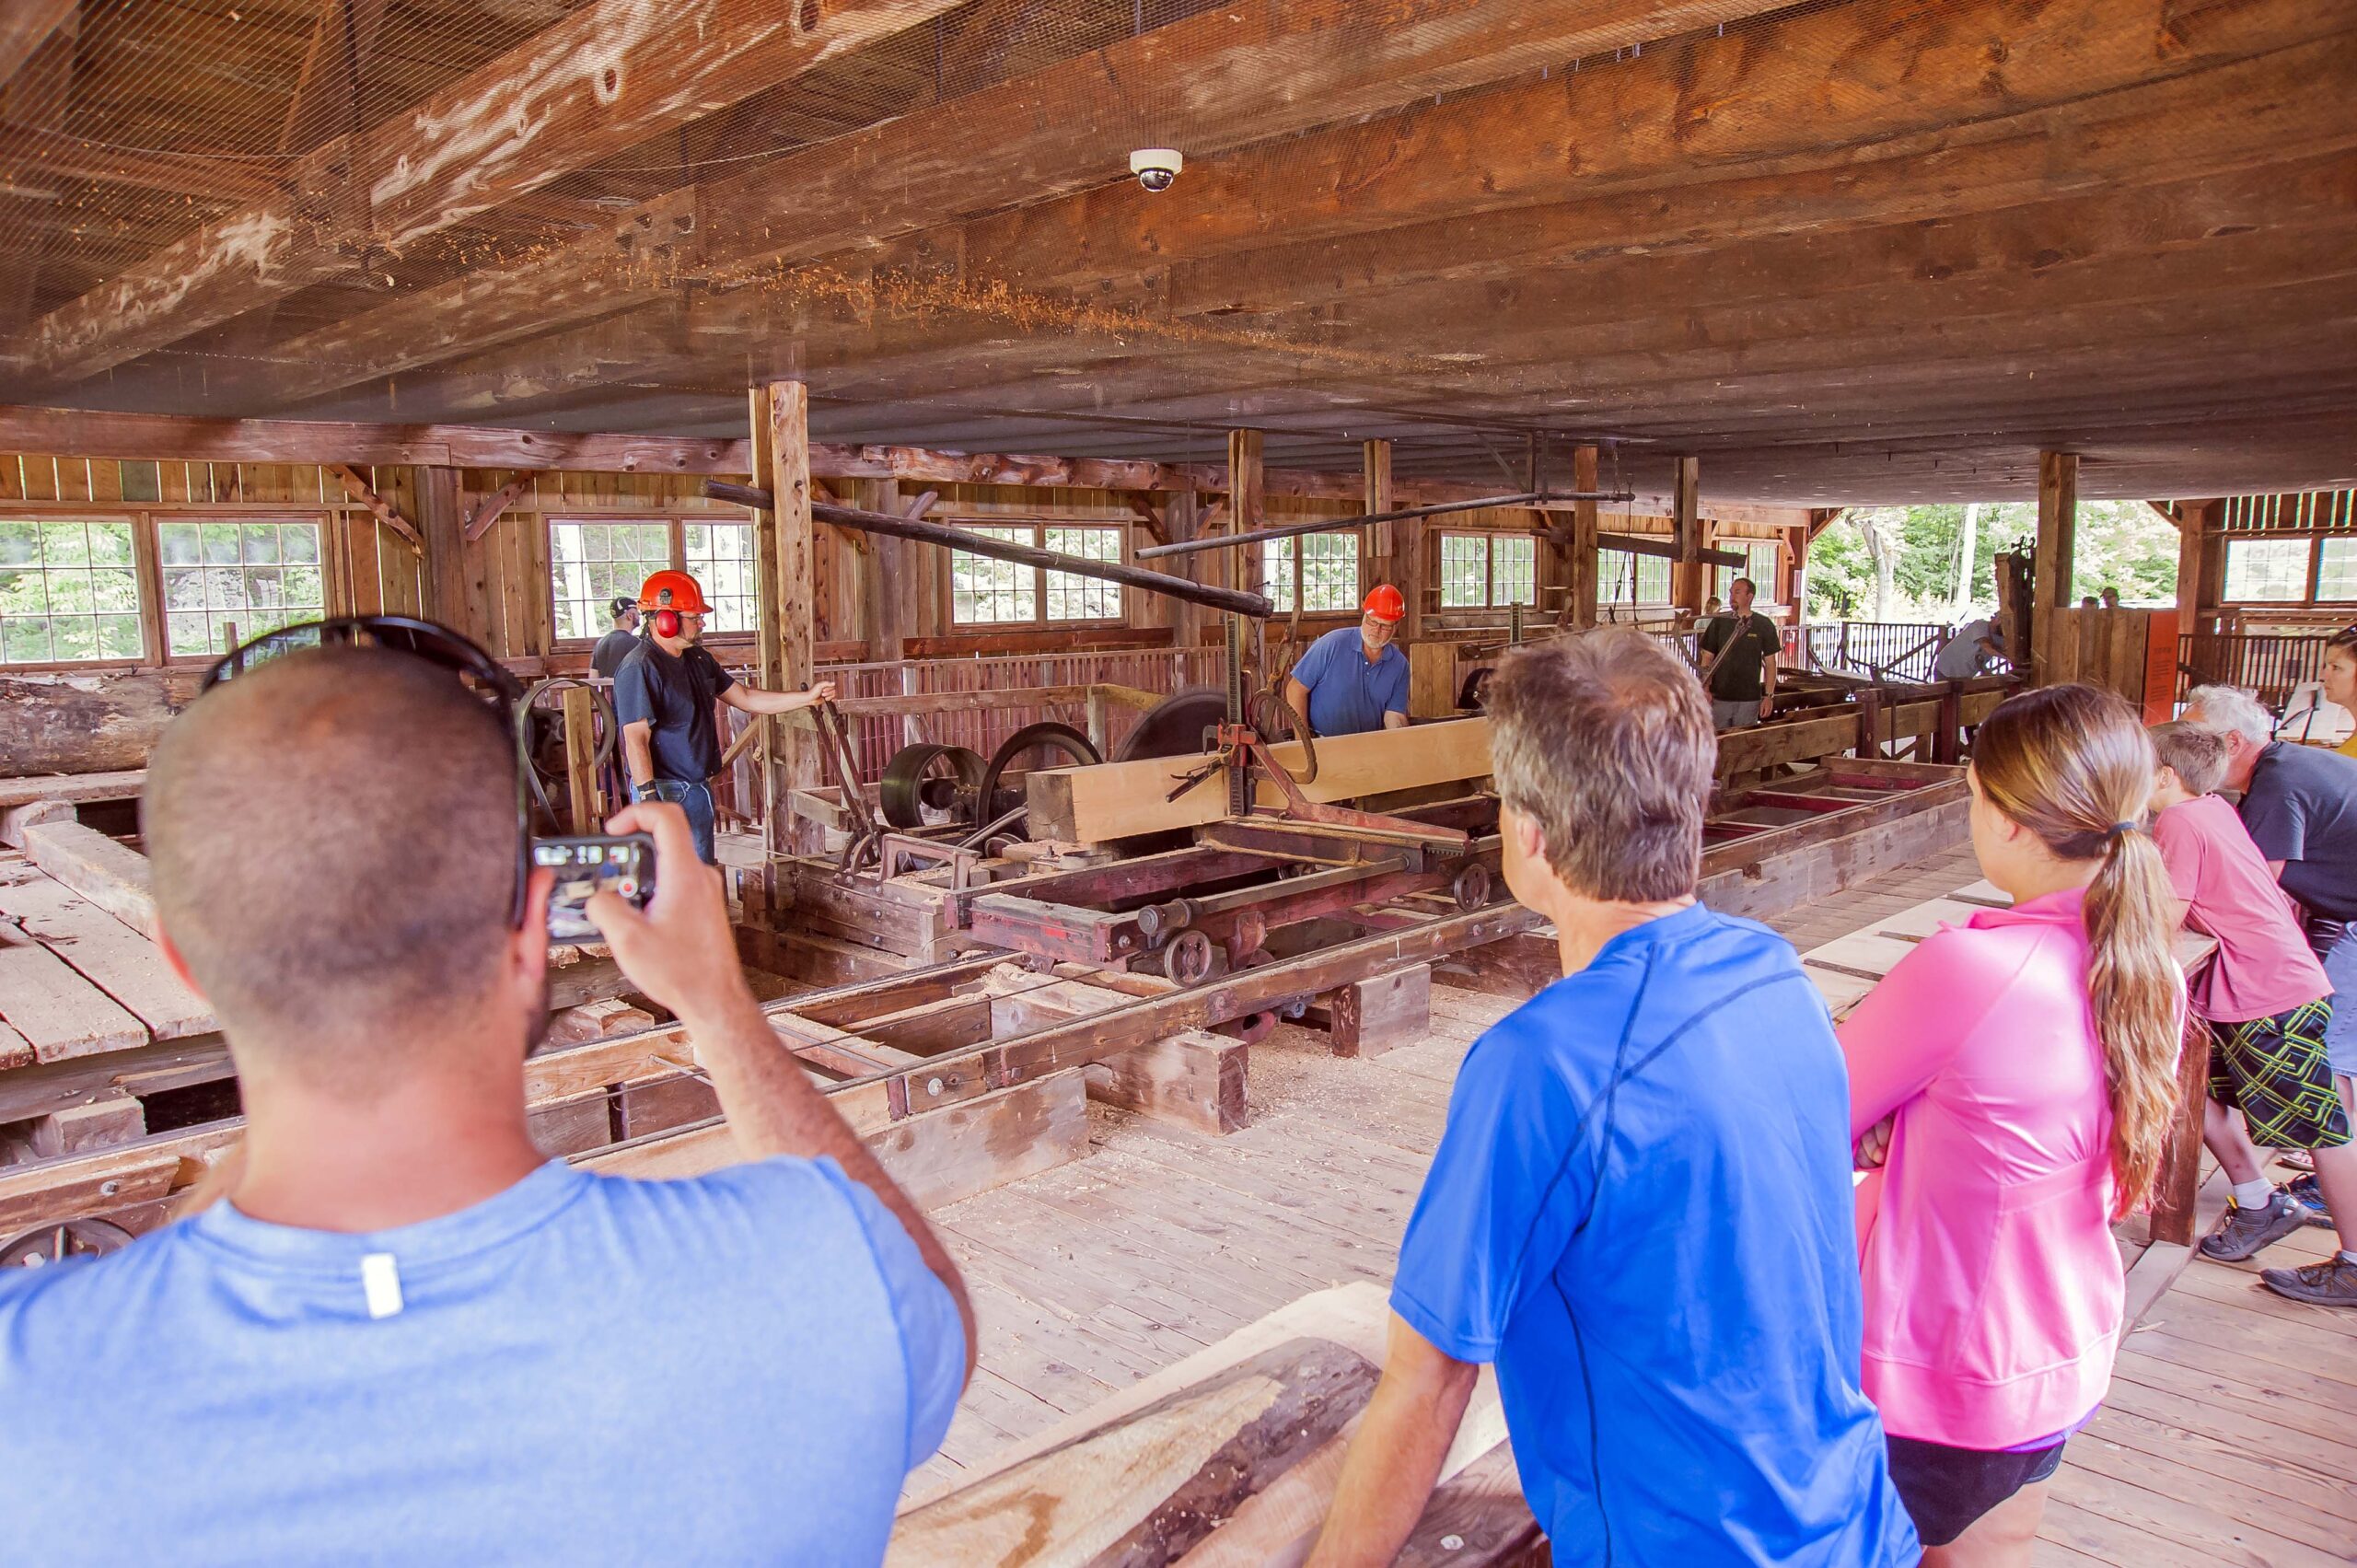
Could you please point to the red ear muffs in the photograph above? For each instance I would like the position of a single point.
(666, 622)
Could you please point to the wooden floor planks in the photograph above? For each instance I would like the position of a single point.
(2230, 1436)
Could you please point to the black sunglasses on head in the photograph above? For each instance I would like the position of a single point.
(437, 645)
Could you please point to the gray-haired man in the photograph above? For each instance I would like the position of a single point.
(2300, 806)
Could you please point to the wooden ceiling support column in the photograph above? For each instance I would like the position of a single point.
(1686, 534)
(443, 523)
(784, 587)
(2200, 560)
(1380, 545)
(1579, 609)
(2058, 527)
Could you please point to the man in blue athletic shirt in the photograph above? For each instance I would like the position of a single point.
(402, 1335)
(1640, 1211)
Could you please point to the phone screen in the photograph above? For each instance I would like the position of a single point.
(621, 863)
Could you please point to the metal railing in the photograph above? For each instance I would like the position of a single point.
(1881, 650)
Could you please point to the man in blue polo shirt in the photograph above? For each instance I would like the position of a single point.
(1641, 1209)
(1354, 677)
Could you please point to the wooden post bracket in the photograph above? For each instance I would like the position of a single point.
(361, 491)
(486, 511)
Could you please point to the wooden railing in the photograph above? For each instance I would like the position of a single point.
(2268, 664)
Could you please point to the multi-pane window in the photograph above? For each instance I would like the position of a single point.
(1625, 577)
(2336, 569)
(2266, 570)
(1074, 597)
(256, 576)
(720, 557)
(1760, 565)
(68, 591)
(984, 591)
(1323, 567)
(1481, 570)
(591, 564)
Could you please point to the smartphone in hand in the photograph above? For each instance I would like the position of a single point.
(617, 863)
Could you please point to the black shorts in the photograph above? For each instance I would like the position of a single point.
(1946, 1489)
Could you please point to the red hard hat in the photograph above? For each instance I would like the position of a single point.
(667, 589)
(1385, 603)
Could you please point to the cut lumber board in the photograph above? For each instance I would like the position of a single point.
(1118, 800)
(108, 873)
(15, 820)
(1149, 1489)
(59, 1012)
(937, 1157)
(1278, 1524)
(110, 954)
(123, 786)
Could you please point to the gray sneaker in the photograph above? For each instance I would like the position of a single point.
(2332, 1283)
(2245, 1231)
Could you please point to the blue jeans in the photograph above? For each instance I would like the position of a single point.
(694, 797)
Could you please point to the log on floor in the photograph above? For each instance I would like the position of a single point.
(1099, 1476)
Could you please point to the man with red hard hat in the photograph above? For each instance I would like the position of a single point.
(663, 695)
(1354, 677)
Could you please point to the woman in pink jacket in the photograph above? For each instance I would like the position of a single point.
(2013, 1078)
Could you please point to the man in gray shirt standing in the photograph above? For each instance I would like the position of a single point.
(616, 644)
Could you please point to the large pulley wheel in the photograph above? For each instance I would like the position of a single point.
(943, 779)
(1188, 958)
(49, 1244)
(1059, 738)
(1176, 725)
(1472, 887)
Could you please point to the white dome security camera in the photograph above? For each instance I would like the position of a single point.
(1157, 167)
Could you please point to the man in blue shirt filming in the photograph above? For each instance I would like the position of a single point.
(1355, 679)
(1640, 1211)
(401, 1334)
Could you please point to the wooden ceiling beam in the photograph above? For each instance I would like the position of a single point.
(1235, 75)
(25, 26)
(2230, 102)
(603, 80)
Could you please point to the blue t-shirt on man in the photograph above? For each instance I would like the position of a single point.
(740, 1367)
(1347, 694)
(1641, 1210)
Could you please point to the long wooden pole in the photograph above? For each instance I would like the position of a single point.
(1229, 600)
(1339, 525)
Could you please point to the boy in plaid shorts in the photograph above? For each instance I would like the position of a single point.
(2266, 1000)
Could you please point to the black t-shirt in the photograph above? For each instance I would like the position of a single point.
(1747, 640)
(607, 658)
(675, 695)
(2301, 808)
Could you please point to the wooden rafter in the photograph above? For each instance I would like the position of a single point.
(486, 511)
(1255, 72)
(360, 490)
(25, 26)
(603, 80)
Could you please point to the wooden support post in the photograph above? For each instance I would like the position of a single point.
(1431, 681)
(1370, 1017)
(1194, 1079)
(2176, 1186)
(1379, 544)
(886, 571)
(2058, 522)
(114, 1117)
(787, 612)
(581, 760)
(2200, 557)
(1686, 531)
(1183, 519)
(1247, 483)
(1579, 610)
(442, 521)
(1520, 966)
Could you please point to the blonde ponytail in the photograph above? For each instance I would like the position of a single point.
(2072, 765)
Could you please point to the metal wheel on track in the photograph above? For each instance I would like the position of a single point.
(1060, 738)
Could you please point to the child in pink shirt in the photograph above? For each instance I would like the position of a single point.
(2014, 1079)
(2264, 997)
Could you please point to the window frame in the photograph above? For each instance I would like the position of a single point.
(1637, 576)
(1764, 581)
(946, 576)
(1295, 558)
(1490, 600)
(146, 519)
(2308, 578)
(677, 522)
